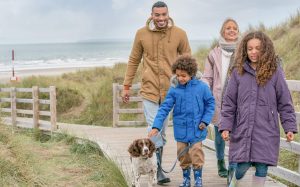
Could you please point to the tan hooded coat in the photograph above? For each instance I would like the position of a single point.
(157, 50)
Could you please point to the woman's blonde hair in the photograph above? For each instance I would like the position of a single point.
(224, 24)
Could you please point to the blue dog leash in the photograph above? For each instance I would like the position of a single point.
(184, 151)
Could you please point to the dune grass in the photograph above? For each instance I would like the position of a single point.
(85, 97)
(31, 158)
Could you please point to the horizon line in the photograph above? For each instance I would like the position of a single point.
(86, 41)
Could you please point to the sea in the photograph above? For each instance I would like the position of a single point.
(65, 55)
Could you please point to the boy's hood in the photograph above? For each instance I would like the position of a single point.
(174, 81)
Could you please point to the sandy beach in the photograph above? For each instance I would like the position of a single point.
(21, 74)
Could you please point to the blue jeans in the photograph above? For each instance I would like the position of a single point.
(242, 168)
(150, 111)
(219, 144)
(232, 165)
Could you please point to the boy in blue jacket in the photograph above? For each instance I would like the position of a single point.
(193, 110)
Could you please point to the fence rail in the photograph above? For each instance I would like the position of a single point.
(35, 121)
(117, 110)
(294, 147)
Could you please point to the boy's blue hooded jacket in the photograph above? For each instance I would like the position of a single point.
(193, 103)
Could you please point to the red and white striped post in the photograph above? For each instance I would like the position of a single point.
(13, 78)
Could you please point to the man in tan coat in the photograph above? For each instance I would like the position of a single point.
(156, 45)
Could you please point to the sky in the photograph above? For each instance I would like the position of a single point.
(44, 21)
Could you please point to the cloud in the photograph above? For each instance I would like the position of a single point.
(120, 4)
(31, 21)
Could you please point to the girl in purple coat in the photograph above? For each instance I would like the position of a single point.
(256, 93)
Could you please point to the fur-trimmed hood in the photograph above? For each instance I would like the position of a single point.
(151, 26)
(174, 81)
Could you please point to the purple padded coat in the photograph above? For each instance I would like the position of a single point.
(250, 113)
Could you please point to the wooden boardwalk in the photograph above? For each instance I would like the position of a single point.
(115, 142)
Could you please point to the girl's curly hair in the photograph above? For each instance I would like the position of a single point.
(267, 61)
(186, 63)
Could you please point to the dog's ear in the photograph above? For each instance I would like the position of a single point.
(134, 149)
(151, 148)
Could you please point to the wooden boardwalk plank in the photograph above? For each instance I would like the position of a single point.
(115, 142)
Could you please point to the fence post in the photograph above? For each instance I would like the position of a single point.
(115, 105)
(13, 106)
(298, 163)
(35, 106)
(53, 107)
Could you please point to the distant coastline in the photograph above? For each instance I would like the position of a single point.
(55, 71)
(85, 53)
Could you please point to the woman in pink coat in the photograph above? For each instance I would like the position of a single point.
(217, 64)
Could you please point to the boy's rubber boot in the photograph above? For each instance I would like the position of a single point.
(222, 171)
(258, 181)
(198, 177)
(161, 178)
(186, 178)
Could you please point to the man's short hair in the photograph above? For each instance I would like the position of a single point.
(159, 4)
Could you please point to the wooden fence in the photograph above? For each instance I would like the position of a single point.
(294, 147)
(117, 110)
(35, 112)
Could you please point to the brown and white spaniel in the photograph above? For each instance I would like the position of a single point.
(142, 161)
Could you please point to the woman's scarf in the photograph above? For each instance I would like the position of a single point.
(229, 47)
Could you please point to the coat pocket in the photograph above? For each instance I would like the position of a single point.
(273, 115)
(180, 129)
(200, 133)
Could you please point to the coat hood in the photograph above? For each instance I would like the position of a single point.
(151, 26)
(174, 81)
